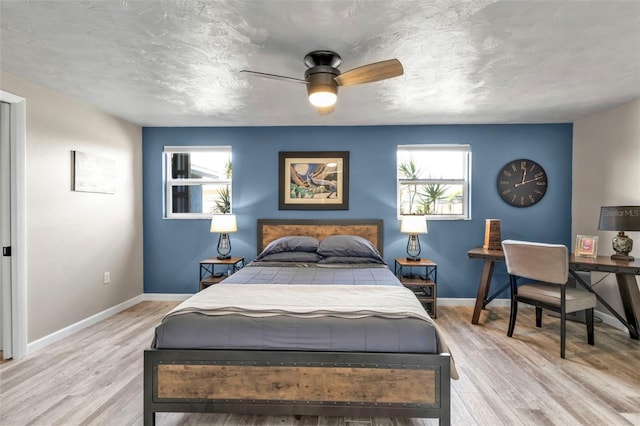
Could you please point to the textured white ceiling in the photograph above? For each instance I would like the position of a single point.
(176, 63)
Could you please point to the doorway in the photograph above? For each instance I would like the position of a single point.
(6, 342)
(13, 287)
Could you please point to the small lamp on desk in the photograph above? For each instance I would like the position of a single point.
(620, 218)
(224, 224)
(413, 225)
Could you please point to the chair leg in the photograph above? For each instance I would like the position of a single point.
(512, 317)
(563, 319)
(563, 332)
(514, 305)
(590, 331)
(538, 317)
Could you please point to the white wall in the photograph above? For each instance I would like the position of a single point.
(606, 171)
(73, 237)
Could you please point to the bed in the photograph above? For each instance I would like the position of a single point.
(274, 339)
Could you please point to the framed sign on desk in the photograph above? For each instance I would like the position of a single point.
(586, 245)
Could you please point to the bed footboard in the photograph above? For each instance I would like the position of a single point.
(296, 383)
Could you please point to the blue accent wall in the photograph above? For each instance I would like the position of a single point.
(173, 248)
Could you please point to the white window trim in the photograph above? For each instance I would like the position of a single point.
(170, 182)
(465, 182)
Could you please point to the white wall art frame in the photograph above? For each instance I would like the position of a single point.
(93, 173)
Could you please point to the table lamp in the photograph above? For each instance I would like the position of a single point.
(224, 224)
(620, 218)
(413, 225)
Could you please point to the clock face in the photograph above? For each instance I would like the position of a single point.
(522, 183)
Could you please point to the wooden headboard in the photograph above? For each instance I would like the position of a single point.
(272, 229)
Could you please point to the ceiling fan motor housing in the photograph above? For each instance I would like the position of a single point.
(320, 79)
(322, 69)
(322, 57)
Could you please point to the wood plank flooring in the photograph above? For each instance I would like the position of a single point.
(95, 376)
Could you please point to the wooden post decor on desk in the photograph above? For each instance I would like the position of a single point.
(492, 238)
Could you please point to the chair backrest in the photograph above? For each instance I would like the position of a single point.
(537, 261)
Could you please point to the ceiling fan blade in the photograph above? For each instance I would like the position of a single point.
(370, 73)
(326, 110)
(275, 76)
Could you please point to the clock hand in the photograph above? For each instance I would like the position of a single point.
(524, 175)
(530, 180)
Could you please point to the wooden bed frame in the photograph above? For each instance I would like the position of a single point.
(358, 384)
(271, 229)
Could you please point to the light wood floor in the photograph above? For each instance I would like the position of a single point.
(95, 376)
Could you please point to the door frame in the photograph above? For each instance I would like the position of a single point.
(18, 282)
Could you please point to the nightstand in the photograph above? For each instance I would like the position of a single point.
(226, 267)
(420, 276)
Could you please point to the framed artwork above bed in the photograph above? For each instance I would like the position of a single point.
(313, 180)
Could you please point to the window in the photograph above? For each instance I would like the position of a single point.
(198, 181)
(433, 180)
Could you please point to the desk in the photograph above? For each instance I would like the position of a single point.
(625, 275)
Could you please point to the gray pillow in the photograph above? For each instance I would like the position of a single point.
(349, 260)
(290, 243)
(348, 245)
(290, 256)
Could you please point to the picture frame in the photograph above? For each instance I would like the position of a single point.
(313, 180)
(586, 246)
(93, 173)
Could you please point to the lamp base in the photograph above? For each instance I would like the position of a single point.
(622, 245)
(413, 259)
(220, 257)
(622, 257)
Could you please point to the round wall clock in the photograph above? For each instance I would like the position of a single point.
(522, 183)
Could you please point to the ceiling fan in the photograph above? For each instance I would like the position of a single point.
(323, 77)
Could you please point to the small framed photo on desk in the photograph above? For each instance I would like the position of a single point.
(586, 245)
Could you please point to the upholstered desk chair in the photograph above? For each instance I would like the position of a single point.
(548, 266)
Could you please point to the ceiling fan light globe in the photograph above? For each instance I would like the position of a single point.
(323, 99)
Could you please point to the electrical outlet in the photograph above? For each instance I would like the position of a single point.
(106, 279)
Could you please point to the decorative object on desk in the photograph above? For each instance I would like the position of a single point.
(586, 245)
(620, 218)
(224, 224)
(313, 180)
(413, 225)
(522, 183)
(492, 236)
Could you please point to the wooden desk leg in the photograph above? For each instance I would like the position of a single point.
(630, 295)
(483, 289)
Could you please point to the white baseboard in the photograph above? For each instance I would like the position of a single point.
(80, 325)
(166, 297)
(610, 320)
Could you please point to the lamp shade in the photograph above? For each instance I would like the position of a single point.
(413, 225)
(619, 218)
(223, 223)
